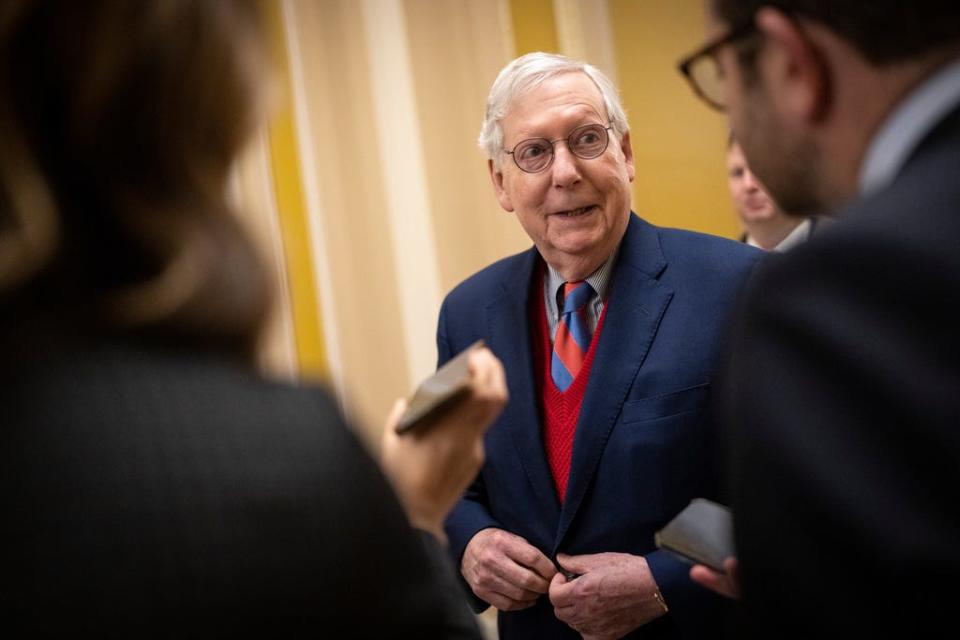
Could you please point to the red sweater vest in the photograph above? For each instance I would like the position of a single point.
(560, 409)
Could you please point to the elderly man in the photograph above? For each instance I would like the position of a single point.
(608, 329)
(842, 393)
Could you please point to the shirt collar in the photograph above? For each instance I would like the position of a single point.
(598, 280)
(906, 127)
(796, 236)
(799, 234)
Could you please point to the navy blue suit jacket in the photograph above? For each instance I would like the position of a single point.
(644, 444)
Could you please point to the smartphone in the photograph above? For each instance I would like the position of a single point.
(700, 534)
(439, 392)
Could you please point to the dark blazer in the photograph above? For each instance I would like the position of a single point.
(842, 396)
(644, 445)
(154, 494)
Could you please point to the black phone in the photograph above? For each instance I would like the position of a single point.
(439, 392)
(700, 534)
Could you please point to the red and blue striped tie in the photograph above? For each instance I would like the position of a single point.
(572, 340)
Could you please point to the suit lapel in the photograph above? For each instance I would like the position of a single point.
(636, 304)
(509, 330)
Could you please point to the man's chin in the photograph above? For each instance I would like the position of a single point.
(581, 259)
(751, 217)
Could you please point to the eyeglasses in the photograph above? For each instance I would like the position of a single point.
(703, 72)
(536, 154)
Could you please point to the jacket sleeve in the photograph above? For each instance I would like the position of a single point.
(470, 515)
(692, 607)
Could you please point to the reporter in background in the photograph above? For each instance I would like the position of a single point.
(765, 225)
(153, 484)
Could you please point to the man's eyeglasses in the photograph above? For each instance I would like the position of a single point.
(536, 154)
(703, 72)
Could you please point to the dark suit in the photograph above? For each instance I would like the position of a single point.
(843, 399)
(643, 446)
(151, 493)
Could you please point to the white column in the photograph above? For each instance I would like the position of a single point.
(583, 32)
(314, 204)
(401, 156)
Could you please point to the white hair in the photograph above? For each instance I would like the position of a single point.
(528, 72)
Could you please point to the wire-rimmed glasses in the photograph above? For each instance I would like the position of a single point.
(536, 154)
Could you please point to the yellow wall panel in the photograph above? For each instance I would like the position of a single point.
(291, 209)
(470, 228)
(534, 26)
(348, 173)
(678, 142)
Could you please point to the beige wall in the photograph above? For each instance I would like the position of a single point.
(383, 199)
(470, 228)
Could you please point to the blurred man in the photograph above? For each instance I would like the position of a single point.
(608, 328)
(765, 225)
(841, 395)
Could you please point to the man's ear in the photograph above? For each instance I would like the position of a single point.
(627, 152)
(792, 66)
(496, 177)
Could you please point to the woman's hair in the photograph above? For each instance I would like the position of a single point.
(119, 122)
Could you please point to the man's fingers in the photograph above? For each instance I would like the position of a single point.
(704, 576)
(523, 577)
(561, 592)
(507, 579)
(525, 557)
(512, 591)
(717, 582)
(533, 559)
(508, 560)
(503, 603)
(495, 567)
(575, 564)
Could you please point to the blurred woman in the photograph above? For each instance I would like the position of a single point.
(153, 484)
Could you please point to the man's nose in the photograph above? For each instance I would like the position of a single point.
(566, 168)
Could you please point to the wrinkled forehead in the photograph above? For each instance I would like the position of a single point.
(557, 98)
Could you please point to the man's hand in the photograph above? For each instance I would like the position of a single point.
(506, 570)
(614, 594)
(726, 584)
(430, 467)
